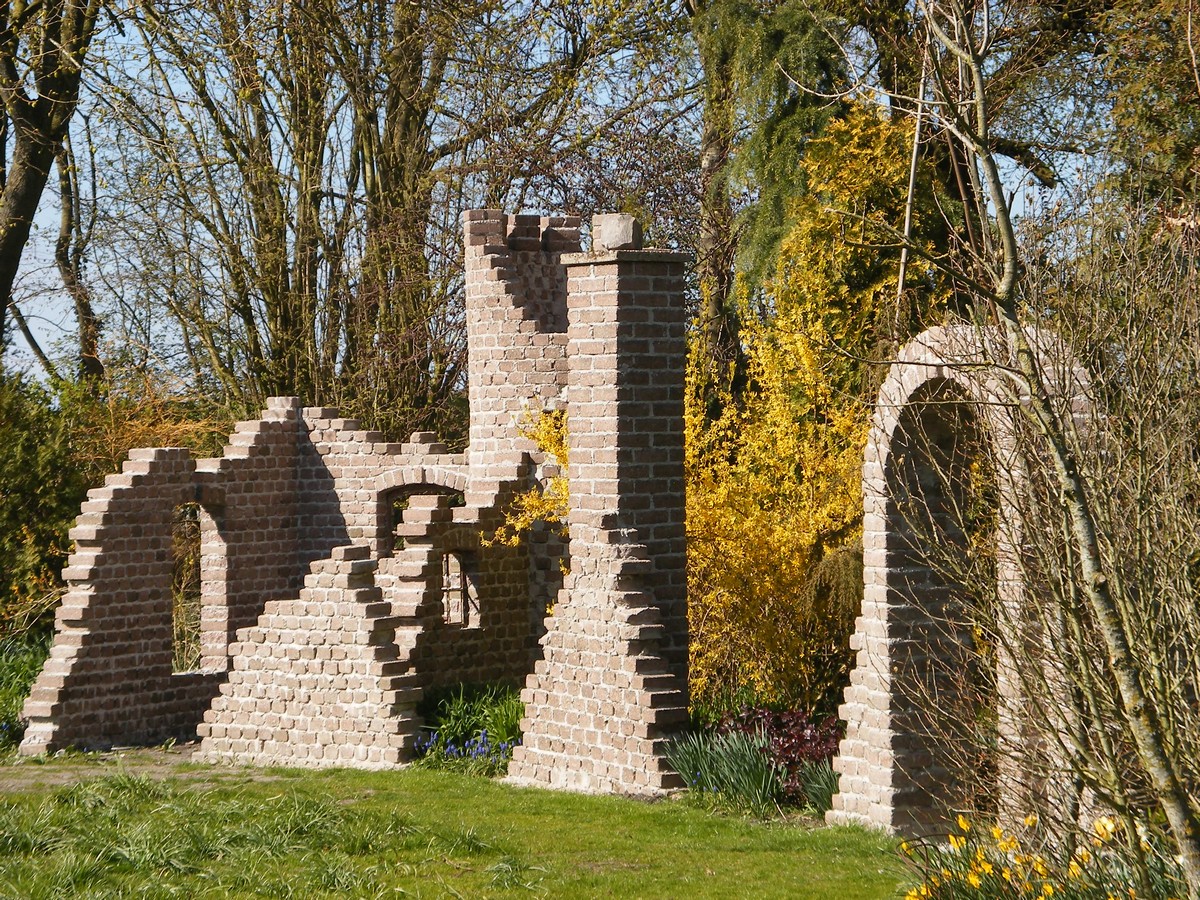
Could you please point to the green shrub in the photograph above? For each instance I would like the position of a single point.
(41, 487)
(472, 730)
(734, 767)
(20, 661)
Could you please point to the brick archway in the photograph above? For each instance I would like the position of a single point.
(946, 402)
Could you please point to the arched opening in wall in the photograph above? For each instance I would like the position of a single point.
(942, 611)
(460, 588)
(408, 513)
(199, 611)
(186, 588)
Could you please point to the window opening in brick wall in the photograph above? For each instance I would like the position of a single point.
(398, 505)
(460, 595)
(185, 588)
(396, 508)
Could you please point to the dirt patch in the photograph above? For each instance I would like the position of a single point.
(21, 774)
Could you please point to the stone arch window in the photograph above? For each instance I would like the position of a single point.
(460, 588)
(941, 581)
(199, 638)
(186, 587)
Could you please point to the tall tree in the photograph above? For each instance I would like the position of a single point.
(43, 48)
(1128, 683)
(296, 171)
(769, 70)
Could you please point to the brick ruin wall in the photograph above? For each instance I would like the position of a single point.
(612, 684)
(323, 548)
(323, 611)
(899, 768)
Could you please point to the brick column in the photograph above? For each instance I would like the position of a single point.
(612, 686)
(515, 317)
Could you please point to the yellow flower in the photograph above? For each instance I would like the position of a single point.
(912, 895)
(997, 833)
(1047, 890)
(1006, 874)
(905, 848)
(1105, 827)
(957, 841)
(1008, 845)
(974, 879)
(1039, 866)
(986, 867)
(1031, 820)
(1074, 870)
(963, 823)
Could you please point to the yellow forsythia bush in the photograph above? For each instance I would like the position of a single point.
(774, 480)
(769, 495)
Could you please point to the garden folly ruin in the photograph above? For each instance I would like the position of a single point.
(342, 576)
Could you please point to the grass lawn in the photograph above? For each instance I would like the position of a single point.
(205, 832)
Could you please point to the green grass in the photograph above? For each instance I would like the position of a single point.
(219, 833)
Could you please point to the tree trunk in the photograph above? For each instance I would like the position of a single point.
(28, 173)
(717, 242)
(67, 251)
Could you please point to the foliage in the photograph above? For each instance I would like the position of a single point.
(21, 660)
(212, 833)
(1151, 67)
(41, 487)
(835, 284)
(734, 767)
(800, 748)
(773, 478)
(992, 862)
(54, 446)
(472, 730)
(766, 493)
(136, 407)
(787, 64)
